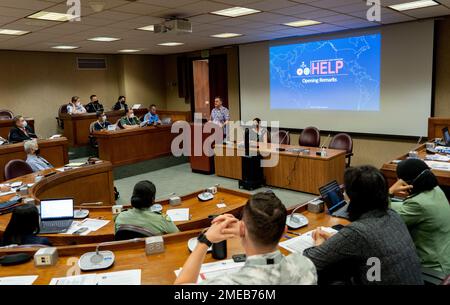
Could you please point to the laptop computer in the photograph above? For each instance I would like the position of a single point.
(333, 197)
(446, 136)
(56, 215)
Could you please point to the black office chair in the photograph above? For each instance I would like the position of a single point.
(125, 232)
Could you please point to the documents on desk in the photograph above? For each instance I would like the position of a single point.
(302, 242)
(18, 280)
(437, 157)
(444, 166)
(211, 270)
(178, 214)
(127, 277)
(89, 223)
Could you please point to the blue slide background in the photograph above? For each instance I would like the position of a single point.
(355, 88)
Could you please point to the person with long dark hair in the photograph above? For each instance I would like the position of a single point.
(23, 227)
(426, 212)
(121, 104)
(376, 243)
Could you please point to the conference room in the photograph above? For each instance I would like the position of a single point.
(227, 142)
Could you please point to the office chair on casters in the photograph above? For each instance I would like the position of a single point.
(125, 232)
(62, 110)
(6, 114)
(343, 141)
(309, 137)
(16, 168)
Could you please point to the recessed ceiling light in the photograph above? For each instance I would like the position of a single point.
(236, 11)
(13, 32)
(413, 5)
(301, 23)
(52, 16)
(150, 28)
(128, 51)
(170, 44)
(65, 47)
(226, 35)
(104, 39)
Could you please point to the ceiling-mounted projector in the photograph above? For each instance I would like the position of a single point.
(178, 26)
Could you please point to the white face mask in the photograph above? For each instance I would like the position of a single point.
(78, 104)
(131, 115)
(25, 124)
(104, 118)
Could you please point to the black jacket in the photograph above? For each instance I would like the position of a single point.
(119, 106)
(94, 107)
(16, 135)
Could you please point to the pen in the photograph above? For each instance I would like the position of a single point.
(293, 233)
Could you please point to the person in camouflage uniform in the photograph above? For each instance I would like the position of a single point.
(263, 224)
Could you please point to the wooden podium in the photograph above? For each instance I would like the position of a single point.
(201, 164)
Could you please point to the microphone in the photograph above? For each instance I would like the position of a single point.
(413, 153)
(296, 220)
(99, 260)
(326, 140)
(284, 138)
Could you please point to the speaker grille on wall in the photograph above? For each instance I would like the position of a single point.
(91, 63)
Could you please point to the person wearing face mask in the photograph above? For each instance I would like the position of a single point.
(34, 160)
(21, 131)
(258, 133)
(102, 121)
(152, 118)
(94, 105)
(121, 104)
(130, 120)
(425, 211)
(75, 106)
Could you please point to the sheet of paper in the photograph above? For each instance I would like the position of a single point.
(211, 270)
(445, 166)
(85, 279)
(75, 164)
(178, 214)
(221, 205)
(75, 226)
(437, 157)
(18, 280)
(127, 277)
(94, 224)
(7, 193)
(301, 243)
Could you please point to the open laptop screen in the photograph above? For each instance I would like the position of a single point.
(56, 208)
(446, 134)
(332, 195)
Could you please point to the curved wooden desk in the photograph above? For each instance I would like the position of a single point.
(128, 146)
(54, 151)
(132, 256)
(199, 216)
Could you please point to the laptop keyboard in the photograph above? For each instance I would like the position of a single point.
(342, 212)
(55, 224)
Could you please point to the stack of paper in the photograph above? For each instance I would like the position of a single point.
(18, 280)
(127, 277)
(444, 166)
(178, 214)
(92, 225)
(302, 242)
(212, 270)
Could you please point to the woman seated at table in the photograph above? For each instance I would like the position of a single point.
(258, 133)
(23, 227)
(121, 104)
(130, 120)
(376, 247)
(20, 131)
(75, 106)
(141, 215)
(425, 211)
(34, 160)
(102, 121)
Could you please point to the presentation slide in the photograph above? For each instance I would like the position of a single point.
(338, 74)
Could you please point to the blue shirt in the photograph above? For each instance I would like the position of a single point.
(151, 118)
(38, 163)
(220, 115)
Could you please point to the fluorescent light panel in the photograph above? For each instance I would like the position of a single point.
(128, 51)
(150, 28)
(226, 35)
(301, 23)
(170, 44)
(13, 32)
(104, 39)
(65, 47)
(236, 11)
(51, 16)
(413, 5)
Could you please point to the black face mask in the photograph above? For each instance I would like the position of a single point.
(38, 152)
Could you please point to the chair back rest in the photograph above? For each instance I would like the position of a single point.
(62, 109)
(91, 127)
(342, 141)
(125, 232)
(6, 114)
(280, 137)
(310, 137)
(16, 168)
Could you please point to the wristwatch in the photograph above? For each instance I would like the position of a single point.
(204, 240)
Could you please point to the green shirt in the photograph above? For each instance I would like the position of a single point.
(127, 121)
(152, 221)
(427, 216)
